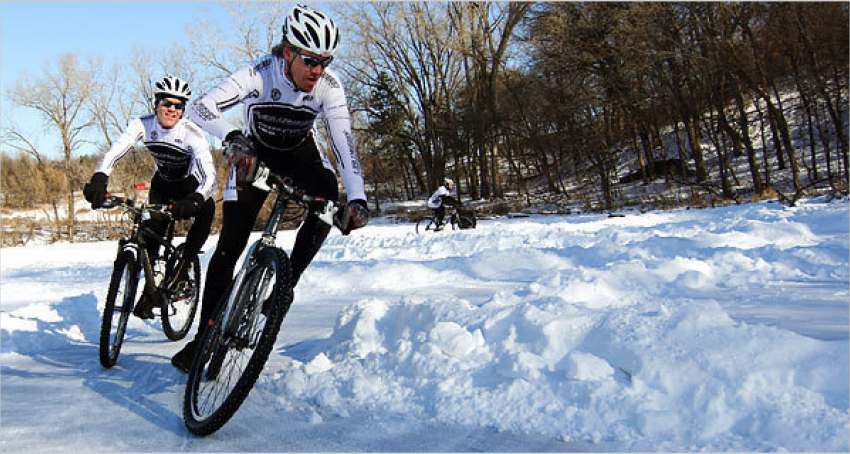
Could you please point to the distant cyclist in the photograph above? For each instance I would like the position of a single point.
(282, 95)
(184, 173)
(442, 197)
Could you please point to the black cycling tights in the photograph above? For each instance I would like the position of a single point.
(163, 192)
(238, 221)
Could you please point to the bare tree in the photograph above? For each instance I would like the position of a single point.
(485, 30)
(254, 28)
(60, 95)
(415, 44)
(42, 185)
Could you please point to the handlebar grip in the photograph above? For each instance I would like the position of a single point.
(112, 201)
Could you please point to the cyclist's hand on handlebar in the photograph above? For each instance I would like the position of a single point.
(95, 189)
(352, 216)
(187, 207)
(242, 157)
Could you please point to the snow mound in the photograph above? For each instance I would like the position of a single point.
(550, 366)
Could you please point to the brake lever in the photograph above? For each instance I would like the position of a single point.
(328, 213)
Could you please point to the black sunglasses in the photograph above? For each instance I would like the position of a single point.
(176, 105)
(313, 61)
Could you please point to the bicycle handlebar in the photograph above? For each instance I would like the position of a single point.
(113, 201)
(323, 208)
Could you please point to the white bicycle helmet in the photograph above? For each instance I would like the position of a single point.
(311, 30)
(448, 182)
(172, 87)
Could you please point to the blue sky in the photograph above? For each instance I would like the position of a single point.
(33, 33)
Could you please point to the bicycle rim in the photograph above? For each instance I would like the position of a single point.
(119, 303)
(234, 350)
(426, 225)
(182, 297)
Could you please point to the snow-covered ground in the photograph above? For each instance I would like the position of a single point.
(722, 329)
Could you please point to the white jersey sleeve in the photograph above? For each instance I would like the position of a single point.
(435, 201)
(338, 124)
(203, 166)
(206, 111)
(133, 134)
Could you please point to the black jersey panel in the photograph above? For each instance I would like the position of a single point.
(281, 126)
(172, 162)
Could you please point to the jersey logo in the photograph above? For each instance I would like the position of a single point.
(154, 135)
(204, 112)
(275, 94)
(331, 80)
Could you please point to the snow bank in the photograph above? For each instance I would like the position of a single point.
(617, 336)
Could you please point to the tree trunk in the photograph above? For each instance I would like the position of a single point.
(744, 125)
(696, 148)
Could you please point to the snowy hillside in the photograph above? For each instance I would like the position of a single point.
(721, 329)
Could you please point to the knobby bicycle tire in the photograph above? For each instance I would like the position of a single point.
(222, 347)
(181, 301)
(460, 220)
(122, 290)
(426, 224)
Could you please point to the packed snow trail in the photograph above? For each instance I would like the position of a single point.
(722, 329)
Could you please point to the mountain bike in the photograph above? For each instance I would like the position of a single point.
(176, 294)
(457, 219)
(235, 346)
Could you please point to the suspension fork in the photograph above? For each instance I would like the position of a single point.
(147, 268)
(267, 240)
(273, 224)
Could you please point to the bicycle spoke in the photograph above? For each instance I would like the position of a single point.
(235, 353)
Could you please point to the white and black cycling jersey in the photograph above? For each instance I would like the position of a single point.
(178, 152)
(280, 117)
(436, 200)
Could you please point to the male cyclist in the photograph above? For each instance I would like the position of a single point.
(442, 197)
(184, 174)
(282, 94)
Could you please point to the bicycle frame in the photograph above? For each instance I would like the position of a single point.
(138, 239)
(284, 192)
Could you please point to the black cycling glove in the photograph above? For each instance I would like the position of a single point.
(352, 216)
(241, 155)
(95, 190)
(187, 207)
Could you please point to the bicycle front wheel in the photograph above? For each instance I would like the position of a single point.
(234, 349)
(463, 221)
(183, 288)
(426, 224)
(119, 305)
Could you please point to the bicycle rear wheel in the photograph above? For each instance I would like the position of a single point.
(426, 224)
(183, 288)
(119, 304)
(234, 349)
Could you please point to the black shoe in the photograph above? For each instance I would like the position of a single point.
(144, 308)
(182, 360)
